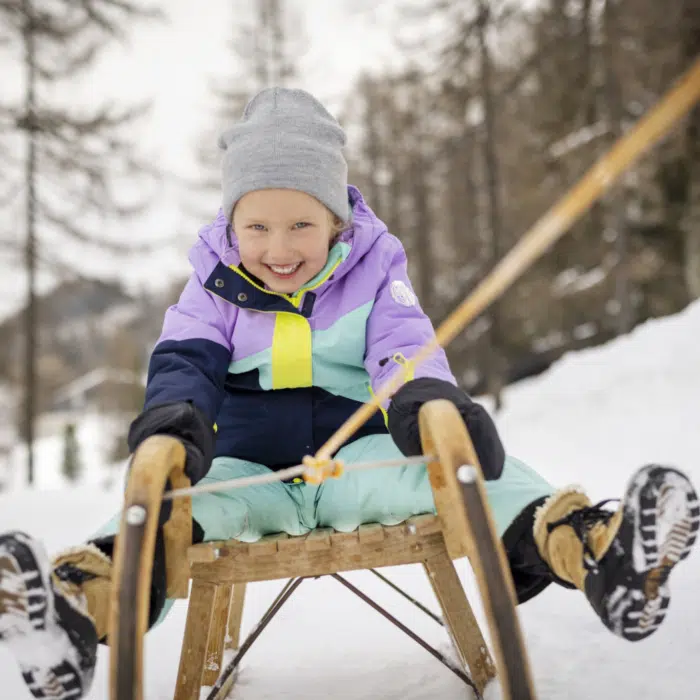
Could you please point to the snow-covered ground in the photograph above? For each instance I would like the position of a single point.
(592, 419)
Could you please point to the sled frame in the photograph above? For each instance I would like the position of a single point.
(220, 570)
(224, 682)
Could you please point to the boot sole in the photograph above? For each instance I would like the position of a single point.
(27, 620)
(666, 513)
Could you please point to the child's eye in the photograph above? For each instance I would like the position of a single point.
(301, 224)
(257, 227)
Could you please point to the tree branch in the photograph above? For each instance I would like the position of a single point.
(113, 16)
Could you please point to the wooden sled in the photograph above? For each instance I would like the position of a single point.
(220, 570)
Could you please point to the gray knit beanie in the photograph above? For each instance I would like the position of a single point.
(286, 139)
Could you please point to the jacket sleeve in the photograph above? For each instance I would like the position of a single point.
(397, 328)
(191, 358)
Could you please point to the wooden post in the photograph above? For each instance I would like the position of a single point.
(236, 616)
(194, 645)
(460, 619)
(217, 634)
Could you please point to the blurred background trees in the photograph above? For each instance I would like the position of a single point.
(493, 109)
(65, 169)
(499, 111)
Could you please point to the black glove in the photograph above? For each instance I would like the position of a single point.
(182, 420)
(403, 421)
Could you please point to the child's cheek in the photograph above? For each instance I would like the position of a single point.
(248, 252)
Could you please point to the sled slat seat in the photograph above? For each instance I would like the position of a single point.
(317, 554)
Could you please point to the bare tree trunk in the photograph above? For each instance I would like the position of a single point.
(30, 317)
(421, 246)
(395, 157)
(272, 60)
(495, 370)
(613, 100)
(691, 226)
(462, 198)
(416, 194)
(374, 146)
(587, 60)
(262, 46)
(690, 221)
(277, 43)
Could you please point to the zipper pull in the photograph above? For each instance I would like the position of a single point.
(409, 368)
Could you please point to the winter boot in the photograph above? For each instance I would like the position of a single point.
(52, 619)
(621, 560)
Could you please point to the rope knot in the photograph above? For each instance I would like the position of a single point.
(318, 469)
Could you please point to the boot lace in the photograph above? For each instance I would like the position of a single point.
(72, 574)
(582, 522)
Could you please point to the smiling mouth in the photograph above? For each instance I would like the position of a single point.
(284, 270)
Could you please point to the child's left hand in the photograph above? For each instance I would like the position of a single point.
(403, 421)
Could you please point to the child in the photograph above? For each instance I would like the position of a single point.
(299, 308)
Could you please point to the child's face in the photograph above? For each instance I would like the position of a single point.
(283, 237)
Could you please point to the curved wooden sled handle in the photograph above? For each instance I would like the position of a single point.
(469, 530)
(157, 460)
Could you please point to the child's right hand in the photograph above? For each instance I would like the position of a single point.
(181, 420)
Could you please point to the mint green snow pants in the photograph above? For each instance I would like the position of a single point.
(388, 496)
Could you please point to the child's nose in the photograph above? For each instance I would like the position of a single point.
(278, 244)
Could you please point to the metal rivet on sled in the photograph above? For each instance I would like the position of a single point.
(242, 297)
(219, 283)
(466, 474)
(136, 515)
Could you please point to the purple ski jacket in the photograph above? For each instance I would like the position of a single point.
(277, 374)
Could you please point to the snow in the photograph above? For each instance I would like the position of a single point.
(574, 280)
(592, 419)
(578, 138)
(585, 330)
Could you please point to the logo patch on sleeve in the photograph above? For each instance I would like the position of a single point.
(402, 294)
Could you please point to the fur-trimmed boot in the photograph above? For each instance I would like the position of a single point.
(622, 559)
(52, 615)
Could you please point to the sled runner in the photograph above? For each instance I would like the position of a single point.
(221, 570)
